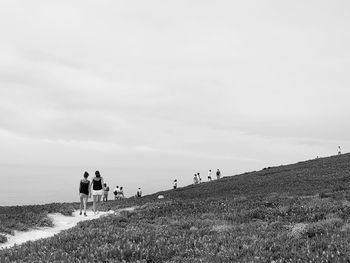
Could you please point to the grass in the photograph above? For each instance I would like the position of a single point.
(293, 213)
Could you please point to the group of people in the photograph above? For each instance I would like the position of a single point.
(197, 177)
(118, 192)
(97, 188)
(88, 189)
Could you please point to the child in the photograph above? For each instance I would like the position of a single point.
(105, 192)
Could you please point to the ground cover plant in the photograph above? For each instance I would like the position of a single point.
(293, 213)
(23, 218)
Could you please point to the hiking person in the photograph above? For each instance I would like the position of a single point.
(139, 192)
(84, 192)
(199, 177)
(218, 174)
(195, 179)
(121, 192)
(175, 184)
(339, 150)
(209, 175)
(105, 192)
(115, 192)
(97, 190)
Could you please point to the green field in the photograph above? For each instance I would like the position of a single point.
(292, 213)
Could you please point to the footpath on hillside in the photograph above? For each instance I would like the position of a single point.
(60, 223)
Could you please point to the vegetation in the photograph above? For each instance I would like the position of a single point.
(293, 213)
(23, 218)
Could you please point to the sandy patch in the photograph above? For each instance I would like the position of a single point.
(60, 222)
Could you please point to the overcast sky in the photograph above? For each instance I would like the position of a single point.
(149, 91)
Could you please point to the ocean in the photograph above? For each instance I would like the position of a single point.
(31, 185)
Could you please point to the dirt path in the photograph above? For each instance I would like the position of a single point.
(60, 223)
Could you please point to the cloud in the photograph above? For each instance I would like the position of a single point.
(166, 85)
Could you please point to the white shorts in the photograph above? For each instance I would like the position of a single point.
(97, 192)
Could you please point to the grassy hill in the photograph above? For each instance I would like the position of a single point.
(303, 178)
(291, 213)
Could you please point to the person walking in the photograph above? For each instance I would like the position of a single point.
(116, 192)
(84, 192)
(209, 175)
(339, 150)
(97, 190)
(218, 174)
(121, 193)
(199, 177)
(195, 179)
(105, 192)
(175, 184)
(139, 192)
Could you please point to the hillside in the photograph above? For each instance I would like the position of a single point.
(297, 212)
(299, 179)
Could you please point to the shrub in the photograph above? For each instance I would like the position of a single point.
(325, 195)
(3, 239)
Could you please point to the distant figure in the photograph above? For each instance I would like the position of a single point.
(121, 193)
(195, 179)
(218, 174)
(116, 192)
(84, 192)
(175, 184)
(199, 177)
(139, 192)
(97, 190)
(339, 150)
(209, 175)
(105, 192)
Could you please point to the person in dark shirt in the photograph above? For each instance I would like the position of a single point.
(97, 190)
(218, 174)
(139, 192)
(175, 184)
(84, 192)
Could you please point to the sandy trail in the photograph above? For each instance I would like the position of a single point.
(60, 223)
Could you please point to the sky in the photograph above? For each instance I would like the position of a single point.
(149, 91)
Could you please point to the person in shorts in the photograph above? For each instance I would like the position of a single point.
(105, 192)
(84, 192)
(96, 188)
(209, 175)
